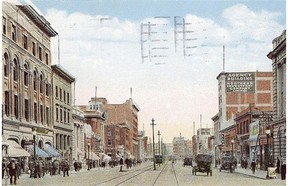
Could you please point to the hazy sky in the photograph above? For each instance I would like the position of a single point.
(100, 46)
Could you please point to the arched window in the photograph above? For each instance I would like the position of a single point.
(6, 62)
(41, 83)
(26, 75)
(15, 70)
(35, 80)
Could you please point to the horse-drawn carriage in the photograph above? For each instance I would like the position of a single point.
(203, 162)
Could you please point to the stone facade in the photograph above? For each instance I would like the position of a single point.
(62, 111)
(278, 126)
(27, 75)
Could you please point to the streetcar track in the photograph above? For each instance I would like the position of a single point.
(177, 181)
(121, 176)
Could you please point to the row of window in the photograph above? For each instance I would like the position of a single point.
(243, 127)
(62, 115)
(62, 95)
(16, 76)
(63, 142)
(25, 41)
(38, 109)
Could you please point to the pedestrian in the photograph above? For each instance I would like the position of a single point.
(13, 171)
(278, 165)
(121, 164)
(253, 166)
(4, 168)
(283, 171)
(127, 163)
(38, 169)
(75, 165)
(65, 168)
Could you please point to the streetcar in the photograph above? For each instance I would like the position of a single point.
(158, 159)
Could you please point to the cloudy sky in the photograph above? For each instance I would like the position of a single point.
(173, 81)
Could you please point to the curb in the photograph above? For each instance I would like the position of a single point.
(251, 175)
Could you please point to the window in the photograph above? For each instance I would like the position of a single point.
(26, 75)
(64, 116)
(68, 116)
(56, 91)
(16, 106)
(6, 62)
(4, 28)
(47, 115)
(6, 103)
(35, 112)
(64, 95)
(33, 48)
(109, 142)
(57, 114)
(47, 59)
(41, 83)
(60, 94)
(68, 98)
(61, 118)
(109, 133)
(40, 53)
(15, 70)
(35, 80)
(47, 89)
(13, 33)
(26, 105)
(25, 42)
(41, 113)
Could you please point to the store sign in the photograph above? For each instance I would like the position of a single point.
(240, 82)
(253, 130)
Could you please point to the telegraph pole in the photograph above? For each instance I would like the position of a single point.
(153, 143)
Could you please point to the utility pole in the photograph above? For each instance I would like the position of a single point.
(159, 144)
(153, 143)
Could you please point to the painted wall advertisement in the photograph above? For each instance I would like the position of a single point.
(240, 82)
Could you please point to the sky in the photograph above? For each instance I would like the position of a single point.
(172, 80)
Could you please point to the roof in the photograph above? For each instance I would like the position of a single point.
(38, 20)
(58, 69)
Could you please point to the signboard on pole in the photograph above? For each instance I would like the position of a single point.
(240, 82)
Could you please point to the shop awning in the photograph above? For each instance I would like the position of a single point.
(14, 149)
(94, 156)
(52, 152)
(39, 152)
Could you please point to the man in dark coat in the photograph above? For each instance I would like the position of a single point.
(253, 166)
(283, 171)
(278, 165)
(121, 164)
(13, 171)
(65, 168)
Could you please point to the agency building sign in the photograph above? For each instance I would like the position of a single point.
(240, 82)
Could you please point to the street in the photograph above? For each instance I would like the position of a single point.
(144, 174)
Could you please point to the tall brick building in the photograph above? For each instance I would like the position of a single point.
(236, 91)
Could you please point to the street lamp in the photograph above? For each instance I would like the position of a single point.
(159, 145)
(88, 155)
(267, 163)
(34, 140)
(153, 143)
(232, 142)
(215, 146)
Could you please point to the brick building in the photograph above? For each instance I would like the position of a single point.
(236, 91)
(27, 77)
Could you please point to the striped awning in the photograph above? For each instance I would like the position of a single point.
(52, 152)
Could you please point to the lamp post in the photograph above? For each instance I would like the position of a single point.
(268, 153)
(159, 146)
(34, 141)
(232, 143)
(153, 143)
(215, 156)
(88, 156)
